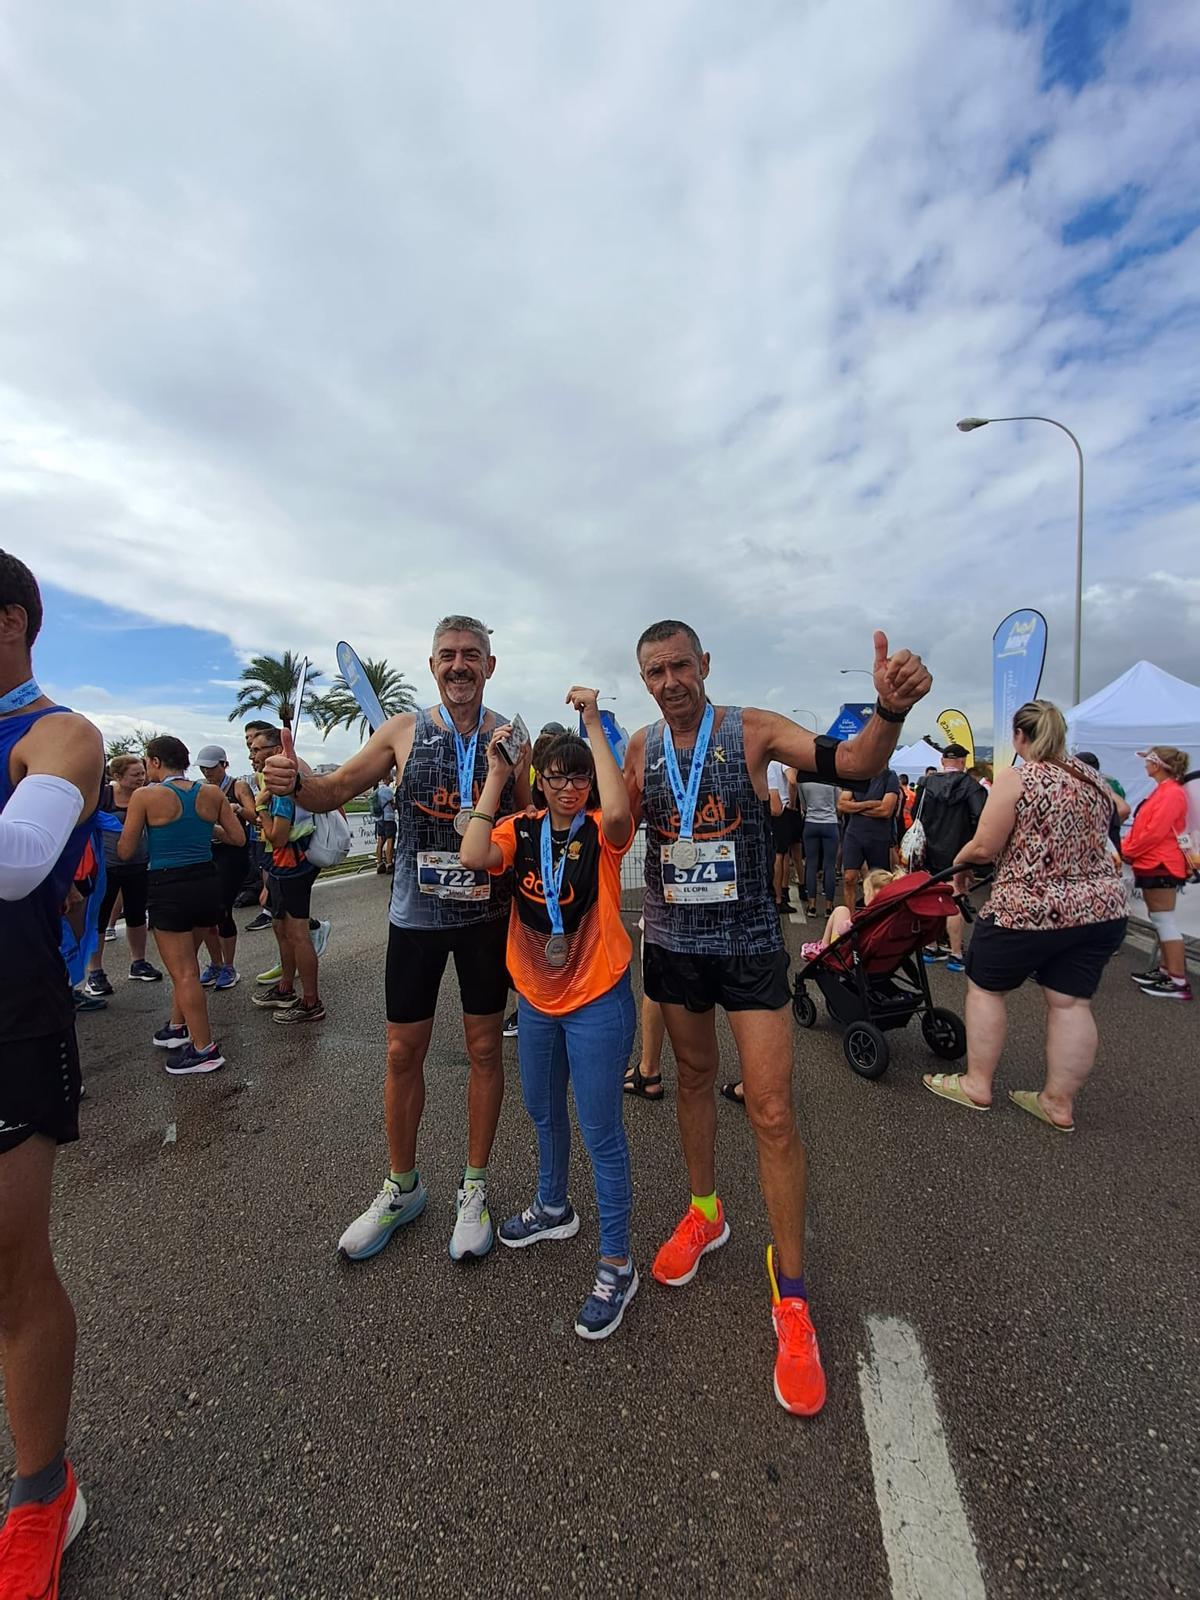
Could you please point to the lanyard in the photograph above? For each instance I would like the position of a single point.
(20, 697)
(465, 750)
(552, 877)
(686, 799)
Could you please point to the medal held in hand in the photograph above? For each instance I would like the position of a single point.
(557, 945)
(684, 852)
(465, 752)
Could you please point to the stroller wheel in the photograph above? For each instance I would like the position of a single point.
(804, 1007)
(945, 1034)
(866, 1049)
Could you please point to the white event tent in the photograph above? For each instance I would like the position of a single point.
(1144, 706)
(914, 758)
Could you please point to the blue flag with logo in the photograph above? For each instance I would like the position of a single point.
(616, 735)
(1018, 656)
(850, 720)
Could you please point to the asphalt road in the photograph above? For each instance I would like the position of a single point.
(253, 1418)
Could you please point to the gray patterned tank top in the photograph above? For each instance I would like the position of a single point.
(427, 800)
(699, 916)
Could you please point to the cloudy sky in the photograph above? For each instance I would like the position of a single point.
(319, 321)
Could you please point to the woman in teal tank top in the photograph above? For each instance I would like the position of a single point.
(183, 894)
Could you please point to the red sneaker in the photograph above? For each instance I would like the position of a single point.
(32, 1542)
(799, 1376)
(678, 1260)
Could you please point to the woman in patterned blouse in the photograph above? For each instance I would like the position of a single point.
(1056, 912)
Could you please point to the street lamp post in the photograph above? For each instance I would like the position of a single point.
(804, 711)
(968, 425)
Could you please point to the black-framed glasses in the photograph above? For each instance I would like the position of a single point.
(558, 781)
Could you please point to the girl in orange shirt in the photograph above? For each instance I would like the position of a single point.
(568, 958)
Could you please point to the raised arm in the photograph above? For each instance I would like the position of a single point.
(477, 850)
(900, 681)
(615, 810)
(387, 747)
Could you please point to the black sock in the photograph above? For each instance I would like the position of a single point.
(42, 1486)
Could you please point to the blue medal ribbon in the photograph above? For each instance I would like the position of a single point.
(20, 697)
(465, 749)
(686, 799)
(552, 877)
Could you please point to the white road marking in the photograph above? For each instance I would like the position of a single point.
(930, 1550)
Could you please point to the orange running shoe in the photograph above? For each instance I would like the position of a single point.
(32, 1542)
(678, 1260)
(799, 1376)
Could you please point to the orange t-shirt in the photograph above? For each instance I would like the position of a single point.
(599, 949)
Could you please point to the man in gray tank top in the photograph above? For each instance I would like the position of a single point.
(439, 910)
(698, 778)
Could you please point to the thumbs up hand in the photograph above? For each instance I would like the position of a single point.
(280, 770)
(901, 679)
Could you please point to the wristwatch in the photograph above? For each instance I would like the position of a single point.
(889, 716)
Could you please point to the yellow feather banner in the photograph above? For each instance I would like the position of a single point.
(958, 731)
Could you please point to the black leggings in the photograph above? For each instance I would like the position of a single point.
(131, 883)
(820, 844)
(231, 864)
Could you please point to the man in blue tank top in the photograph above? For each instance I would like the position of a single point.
(51, 770)
(438, 910)
(698, 778)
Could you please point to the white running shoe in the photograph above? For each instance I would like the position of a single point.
(472, 1236)
(390, 1209)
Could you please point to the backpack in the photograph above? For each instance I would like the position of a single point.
(950, 808)
(328, 844)
(912, 845)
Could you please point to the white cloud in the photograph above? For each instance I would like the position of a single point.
(576, 318)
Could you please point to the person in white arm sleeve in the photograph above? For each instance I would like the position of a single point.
(51, 769)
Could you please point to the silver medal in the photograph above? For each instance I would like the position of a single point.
(556, 950)
(684, 854)
(462, 822)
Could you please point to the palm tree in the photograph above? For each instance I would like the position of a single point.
(269, 683)
(130, 744)
(339, 709)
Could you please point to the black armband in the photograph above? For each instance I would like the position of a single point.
(882, 712)
(827, 749)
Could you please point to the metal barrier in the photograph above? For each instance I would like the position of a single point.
(633, 874)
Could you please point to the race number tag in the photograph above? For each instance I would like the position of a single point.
(713, 878)
(441, 873)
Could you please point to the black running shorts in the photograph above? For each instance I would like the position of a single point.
(290, 895)
(698, 983)
(1157, 880)
(1070, 961)
(39, 1089)
(416, 960)
(181, 899)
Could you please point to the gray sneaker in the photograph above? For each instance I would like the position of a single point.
(390, 1209)
(472, 1236)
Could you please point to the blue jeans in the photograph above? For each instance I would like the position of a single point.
(590, 1046)
(820, 840)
